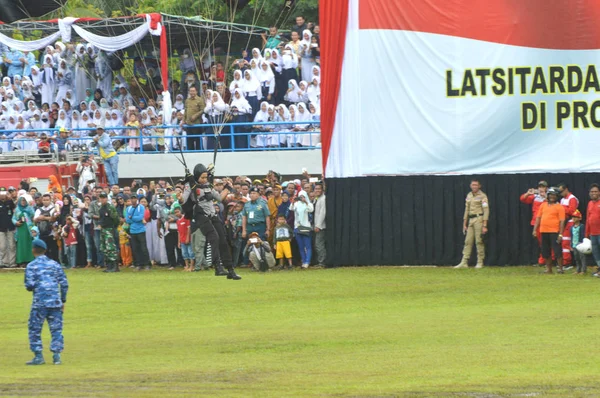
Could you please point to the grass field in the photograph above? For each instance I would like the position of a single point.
(378, 331)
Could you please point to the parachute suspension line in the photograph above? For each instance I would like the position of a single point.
(255, 18)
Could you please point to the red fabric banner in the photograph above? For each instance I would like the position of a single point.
(551, 24)
(334, 21)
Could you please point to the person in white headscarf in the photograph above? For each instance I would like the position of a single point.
(98, 119)
(262, 116)
(104, 74)
(293, 138)
(179, 104)
(85, 123)
(313, 93)
(27, 90)
(266, 77)
(59, 48)
(282, 115)
(256, 55)
(64, 79)
(63, 120)
(252, 91)
(306, 55)
(215, 110)
(289, 63)
(294, 93)
(306, 139)
(241, 111)
(75, 119)
(82, 80)
(237, 81)
(31, 107)
(29, 137)
(48, 80)
(37, 77)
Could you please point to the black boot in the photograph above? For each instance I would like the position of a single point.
(232, 275)
(219, 271)
(108, 268)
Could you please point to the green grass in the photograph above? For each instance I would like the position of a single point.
(342, 332)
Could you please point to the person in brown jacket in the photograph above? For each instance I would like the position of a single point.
(194, 107)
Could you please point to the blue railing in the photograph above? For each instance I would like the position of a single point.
(230, 137)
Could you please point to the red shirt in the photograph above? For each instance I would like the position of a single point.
(183, 228)
(592, 220)
(570, 204)
(71, 238)
(535, 201)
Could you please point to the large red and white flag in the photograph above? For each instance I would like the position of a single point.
(461, 87)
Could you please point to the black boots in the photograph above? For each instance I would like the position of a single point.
(219, 271)
(112, 268)
(232, 275)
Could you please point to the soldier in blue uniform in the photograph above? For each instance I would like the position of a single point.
(48, 282)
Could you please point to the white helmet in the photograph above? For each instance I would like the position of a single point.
(585, 247)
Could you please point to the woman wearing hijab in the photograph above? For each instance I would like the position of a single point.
(54, 186)
(266, 78)
(179, 104)
(37, 77)
(104, 104)
(75, 133)
(292, 138)
(65, 210)
(98, 119)
(215, 110)
(104, 74)
(64, 79)
(252, 91)
(294, 93)
(302, 227)
(187, 63)
(23, 220)
(48, 80)
(272, 139)
(306, 54)
(262, 140)
(240, 111)
(82, 80)
(256, 55)
(63, 120)
(289, 63)
(283, 115)
(237, 81)
(313, 93)
(310, 139)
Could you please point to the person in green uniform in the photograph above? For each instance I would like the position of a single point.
(23, 220)
(109, 218)
(256, 217)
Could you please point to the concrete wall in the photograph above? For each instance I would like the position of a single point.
(288, 162)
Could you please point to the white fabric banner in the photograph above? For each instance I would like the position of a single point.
(413, 102)
(30, 45)
(113, 43)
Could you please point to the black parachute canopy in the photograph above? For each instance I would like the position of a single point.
(15, 10)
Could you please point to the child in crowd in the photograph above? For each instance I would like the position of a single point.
(35, 232)
(44, 146)
(70, 235)
(185, 238)
(577, 234)
(126, 254)
(62, 140)
(283, 237)
(135, 132)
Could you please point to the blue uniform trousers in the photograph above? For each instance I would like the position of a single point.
(55, 323)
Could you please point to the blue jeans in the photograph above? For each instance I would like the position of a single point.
(111, 167)
(99, 254)
(71, 254)
(305, 246)
(596, 248)
(89, 244)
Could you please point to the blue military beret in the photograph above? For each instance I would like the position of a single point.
(39, 244)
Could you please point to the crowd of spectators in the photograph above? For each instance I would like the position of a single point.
(76, 86)
(266, 220)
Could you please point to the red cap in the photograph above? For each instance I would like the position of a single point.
(577, 213)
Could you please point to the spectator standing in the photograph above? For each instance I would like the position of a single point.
(551, 221)
(184, 232)
(320, 225)
(109, 219)
(475, 220)
(283, 238)
(94, 213)
(256, 216)
(273, 40)
(108, 154)
(300, 25)
(194, 108)
(45, 218)
(307, 56)
(273, 204)
(23, 220)
(592, 226)
(70, 234)
(7, 230)
(577, 234)
(535, 200)
(570, 204)
(302, 228)
(134, 216)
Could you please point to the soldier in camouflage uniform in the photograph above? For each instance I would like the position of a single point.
(48, 282)
(109, 219)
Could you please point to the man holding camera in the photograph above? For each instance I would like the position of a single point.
(87, 168)
(108, 154)
(535, 198)
(260, 253)
(475, 220)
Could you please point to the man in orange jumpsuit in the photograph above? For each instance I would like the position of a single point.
(535, 199)
(570, 203)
